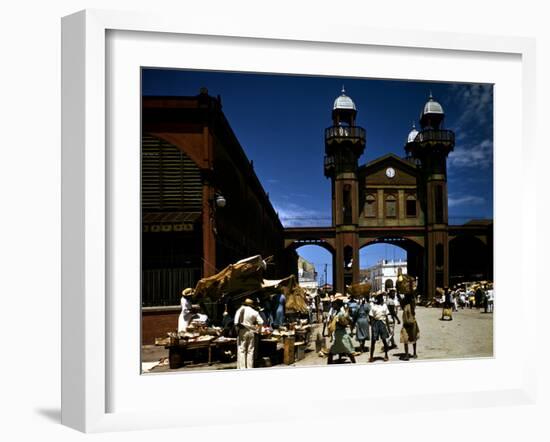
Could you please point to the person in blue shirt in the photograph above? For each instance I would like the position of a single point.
(279, 310)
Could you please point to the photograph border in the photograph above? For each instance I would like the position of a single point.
(85, 265)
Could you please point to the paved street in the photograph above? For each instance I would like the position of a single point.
(468, 335)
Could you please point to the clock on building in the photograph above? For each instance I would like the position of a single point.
(390, 172)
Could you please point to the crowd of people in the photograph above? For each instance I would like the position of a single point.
(466, 296)
(370, 319)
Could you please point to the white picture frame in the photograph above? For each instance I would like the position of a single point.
(89, 318)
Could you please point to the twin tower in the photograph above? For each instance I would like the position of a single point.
(392, 198)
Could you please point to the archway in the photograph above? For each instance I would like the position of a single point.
(319, 255)
(381, 258)
(469, 260)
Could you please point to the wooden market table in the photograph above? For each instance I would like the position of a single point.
(268, 347)
(176, 351)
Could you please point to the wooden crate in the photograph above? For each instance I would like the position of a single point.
(288, 350)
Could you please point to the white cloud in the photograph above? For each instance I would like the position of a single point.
(294, 215)
(465, 200)
(479, 155)
(476, 102)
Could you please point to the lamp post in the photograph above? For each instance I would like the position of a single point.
(220, 200)
(213, 200)
(217, 201)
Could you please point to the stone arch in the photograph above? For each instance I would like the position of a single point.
(294, 245)
(398, 240)
(413, 248)
(326, 244)
(191, 144)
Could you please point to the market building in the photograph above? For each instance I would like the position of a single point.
(203, 207)
(399, 200)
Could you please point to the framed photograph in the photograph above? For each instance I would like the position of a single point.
(307, 202)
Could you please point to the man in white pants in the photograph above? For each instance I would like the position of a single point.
(247, 319)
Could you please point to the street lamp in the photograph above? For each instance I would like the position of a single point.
(220, 200)
(217, 201)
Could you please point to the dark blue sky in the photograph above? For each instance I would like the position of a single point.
(279, 121)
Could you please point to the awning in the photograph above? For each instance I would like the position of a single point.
(170, 217)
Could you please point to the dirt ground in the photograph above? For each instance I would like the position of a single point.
(468, 335)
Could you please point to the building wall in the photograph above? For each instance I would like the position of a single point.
(374, 183)
(156, 323)
(201, 158)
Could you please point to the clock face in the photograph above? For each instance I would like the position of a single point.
(390, 172)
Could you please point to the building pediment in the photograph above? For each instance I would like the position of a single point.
(389, 170)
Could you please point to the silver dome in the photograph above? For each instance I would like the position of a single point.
(432, 107)
(412, 135)
(344, 102)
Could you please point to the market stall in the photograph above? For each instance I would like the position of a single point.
(227, 290)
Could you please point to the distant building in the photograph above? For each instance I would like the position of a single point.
(307, 276)
(383, 275)
(364, 275)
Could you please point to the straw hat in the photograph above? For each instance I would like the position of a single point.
(340, 297)
(187, 292)
(248, 302)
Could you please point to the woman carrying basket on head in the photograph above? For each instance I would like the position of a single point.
(410, 331)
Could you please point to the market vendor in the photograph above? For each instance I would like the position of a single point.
(227, 323)
(279, 309)
(197, 316)
(248, 321)
(186, 314)
(265, 311)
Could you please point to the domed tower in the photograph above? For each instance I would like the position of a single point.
(344, 110)
(410, 141)
(430, 147)
(344, 144)
(432, 115)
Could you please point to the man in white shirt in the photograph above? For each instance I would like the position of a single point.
(248, 321)
(379, 313)
(490, 298)
(186, 315)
